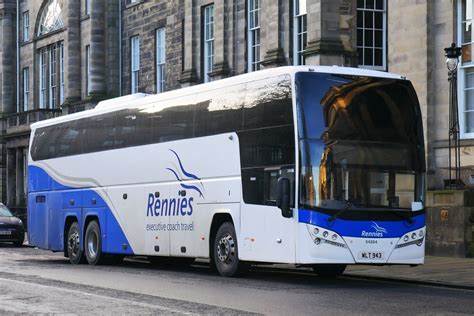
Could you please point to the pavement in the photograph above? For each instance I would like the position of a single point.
(438, 271)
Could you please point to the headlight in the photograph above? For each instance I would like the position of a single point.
(417, 238)
(328, 237)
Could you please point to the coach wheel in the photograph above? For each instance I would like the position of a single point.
(226, 259)
(93, 244)
(329, 270)
(74, 251)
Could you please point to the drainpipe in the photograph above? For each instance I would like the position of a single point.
(18, 55)
(120, 47)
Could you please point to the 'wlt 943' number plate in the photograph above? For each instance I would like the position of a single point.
(371, 255)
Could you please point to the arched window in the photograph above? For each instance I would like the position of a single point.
(51, 18)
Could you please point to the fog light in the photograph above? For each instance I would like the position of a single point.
(413, 236)
(420, 233)
(334, 237)
(325, 234)
(316, 231)
(317, 241)
(405, 238)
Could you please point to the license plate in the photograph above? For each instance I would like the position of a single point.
(371, 255)
(5, 232)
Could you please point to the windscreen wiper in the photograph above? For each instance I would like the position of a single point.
(348, 205)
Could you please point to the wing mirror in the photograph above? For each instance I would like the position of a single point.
(283, 197)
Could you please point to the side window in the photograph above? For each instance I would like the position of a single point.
(43, 143)
(99, 133)
(268, 103)
(266, 154)
(125, 130)
(69, 140)
(174, 122)
(220, 112)
(143, 127)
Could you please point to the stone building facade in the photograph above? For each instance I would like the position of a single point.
(80, 52)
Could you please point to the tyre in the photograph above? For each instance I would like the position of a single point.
(329, 270)
(74, 251)
(225, 253)
(20, 241)
(93, 244)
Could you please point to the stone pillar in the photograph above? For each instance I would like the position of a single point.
(72, 48)
(97, 59)
(324, 41)
(112, 48)
(221, 31)
(239, 45)
(272, 33)
(189, 74)
(7, 58)
(19, 191)
(11, 179)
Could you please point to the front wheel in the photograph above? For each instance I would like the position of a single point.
(93, 244)
(329, 270)
(226, 253)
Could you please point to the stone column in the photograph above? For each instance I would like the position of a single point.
(272, 34)
(324, 41)
(72, 48)
(7, 58)
(19, 191)
(112, 48)
(3, 170)
(239, 45)
(11, 179)
(221, 26)
(189, 76)
(97, 59)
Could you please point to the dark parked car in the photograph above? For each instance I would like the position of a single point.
(11, 227)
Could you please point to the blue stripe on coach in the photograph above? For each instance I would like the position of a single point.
(46, 219)
(354, 228)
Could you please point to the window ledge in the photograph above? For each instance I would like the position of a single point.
(132, 4)
(24, 43)
(467, 142)
(40, 37)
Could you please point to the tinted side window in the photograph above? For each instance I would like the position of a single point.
(266, 154)
(43, 143)
(220, 112)
(268, 103)
(69, 138)
(173, 123)
(125, 130)
(99, 133)
(143, 127)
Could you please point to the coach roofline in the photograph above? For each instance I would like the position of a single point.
(247, 77)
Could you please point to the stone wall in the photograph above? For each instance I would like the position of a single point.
(450, 222)
(143, 19)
